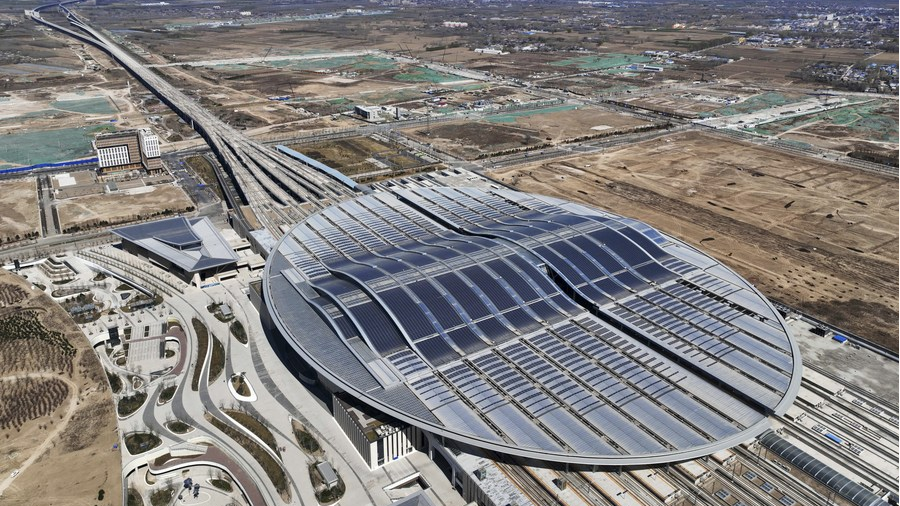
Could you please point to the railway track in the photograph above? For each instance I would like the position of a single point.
(527, 484)
(795, 489)
(585, 489)
(841, 426)
(276, 189)
(857, 392)
(694, 494)
(847, 459)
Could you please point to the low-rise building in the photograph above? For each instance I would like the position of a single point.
(368, 113)
(489, 50)
(378, 438)
(191, 249)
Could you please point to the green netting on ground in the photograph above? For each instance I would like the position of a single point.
(604, 61)
(391, 97)
(882, 128)
(469, 87)
(17, 120)
(95, 105)
(757, 103)
(367, 62)
(374, 63)
(423, 75)
(511, 116)
(233, 66)
(29, 148)
(863, 121)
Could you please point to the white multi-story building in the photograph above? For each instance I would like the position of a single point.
(378, 440)
(149, 143)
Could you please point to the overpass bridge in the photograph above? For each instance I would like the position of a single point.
(264, 188)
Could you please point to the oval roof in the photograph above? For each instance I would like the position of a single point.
(531, 326)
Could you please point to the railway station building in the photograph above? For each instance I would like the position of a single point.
(533, 328)
(190, 248)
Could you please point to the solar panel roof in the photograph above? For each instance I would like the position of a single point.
(532, 326)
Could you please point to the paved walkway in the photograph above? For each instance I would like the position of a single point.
(217, 458)
(281, 397)
(281, 392)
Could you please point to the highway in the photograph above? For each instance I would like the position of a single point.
(277, 190)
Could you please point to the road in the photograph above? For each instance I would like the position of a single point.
(190, 408)
(262, 59)
(278, 190)
(56, 244)
(49, 224)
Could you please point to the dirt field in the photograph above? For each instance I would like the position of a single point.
(43, 119)
(65, 457)
(19, 213)
(636, 40)
(471, 139)
(49, 81)
(884, 58)
(871, 125)
(569, 122)
(360, 155)
(774, 64)
(80, 213)
(522, 128)
(698, 102)
(815, 236)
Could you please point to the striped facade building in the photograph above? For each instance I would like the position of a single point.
(378, 440)
(126, 151)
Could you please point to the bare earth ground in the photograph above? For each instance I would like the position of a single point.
(695, 101)
(353, 156)
(576, 122)
(884, 58)
(469, 139)
(817, 236)
(19, 214)
(774, 64)
(66, 457)
(121, 206)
